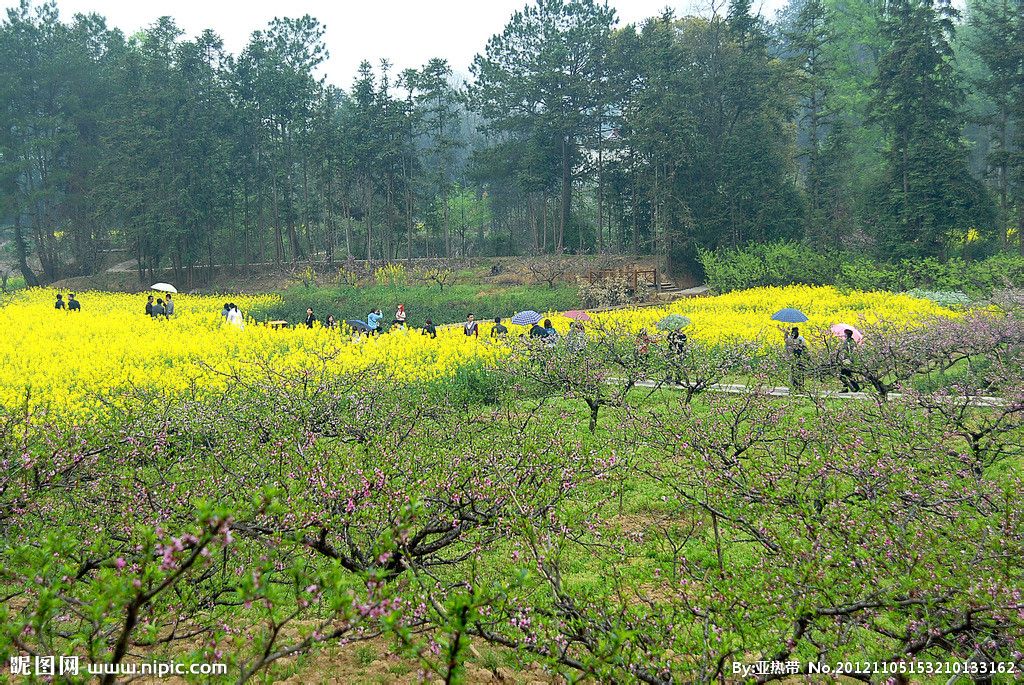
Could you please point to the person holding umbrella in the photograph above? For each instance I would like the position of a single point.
(677, 342)
(373, 320)
(576, 338)
(796, 349)
(169, 305)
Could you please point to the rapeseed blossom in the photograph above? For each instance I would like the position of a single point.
(79, 363)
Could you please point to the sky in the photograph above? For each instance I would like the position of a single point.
(407, 32)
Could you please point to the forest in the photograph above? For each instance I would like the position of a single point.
(884, 127)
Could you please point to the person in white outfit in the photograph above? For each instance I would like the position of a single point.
(235, 317)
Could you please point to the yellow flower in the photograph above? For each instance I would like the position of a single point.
(66, 361)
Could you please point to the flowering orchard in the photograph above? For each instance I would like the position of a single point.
(83, 363)
(532, 510)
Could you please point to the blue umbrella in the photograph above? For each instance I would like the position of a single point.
(526, 318)
(357, 325)
(789, 315)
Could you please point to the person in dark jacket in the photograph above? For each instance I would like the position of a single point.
(471, 328)
(73, 304)
(499, 330)
(429, 329)
(59, 304)
(149, 306)
(159, 309)
(538, 331)
(845, 356)
(310, 319)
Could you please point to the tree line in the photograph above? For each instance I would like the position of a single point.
(891, 126)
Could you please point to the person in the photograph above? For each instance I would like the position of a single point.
(499, 330)
(845, 355)
(59, 304)
(429, 329)
(550, 334)
(677, 342)
(796, 348)
(643, 343)
(373, 320)
(471, 328)
(169, 305)
(227, 310)
(576, 339)
(399, 319)
(310, 319)
(329, 322)
(159, 309)
(538, 331)
(150, 306)
(73, 304)
(234, 316)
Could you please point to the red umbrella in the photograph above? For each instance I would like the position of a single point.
(578, 315)
(839, 330)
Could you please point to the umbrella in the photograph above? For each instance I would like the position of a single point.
(789, 315)
(526, 318)
(357, 325)
(577, 314)
(672, 322)
(839, 330)
(163, 287)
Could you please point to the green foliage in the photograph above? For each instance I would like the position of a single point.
(782, 263)
(760, 264)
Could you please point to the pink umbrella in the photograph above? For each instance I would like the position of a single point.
(839, 330)
(577, 315)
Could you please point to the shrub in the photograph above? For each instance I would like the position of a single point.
(609, 292)
(784, 263)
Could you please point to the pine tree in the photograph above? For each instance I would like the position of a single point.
(927, 194)
(809, 39)
(997, 38)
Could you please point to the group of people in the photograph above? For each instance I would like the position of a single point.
(232, 316)
(72, 305)
(845, 353)
(160, 307)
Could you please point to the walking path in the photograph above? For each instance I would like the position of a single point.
(783, 391)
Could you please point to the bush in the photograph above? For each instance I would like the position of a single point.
(762, 264)
(609, 292)
(784, 263)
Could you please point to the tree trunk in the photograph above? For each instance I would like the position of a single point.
(566, 204)
(21, 252)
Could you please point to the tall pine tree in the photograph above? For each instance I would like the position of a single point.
(928, 196)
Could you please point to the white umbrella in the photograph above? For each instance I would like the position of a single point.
(163, 287)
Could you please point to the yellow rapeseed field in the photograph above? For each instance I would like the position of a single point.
(73, 363)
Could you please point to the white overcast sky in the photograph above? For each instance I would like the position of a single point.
(407, 32)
